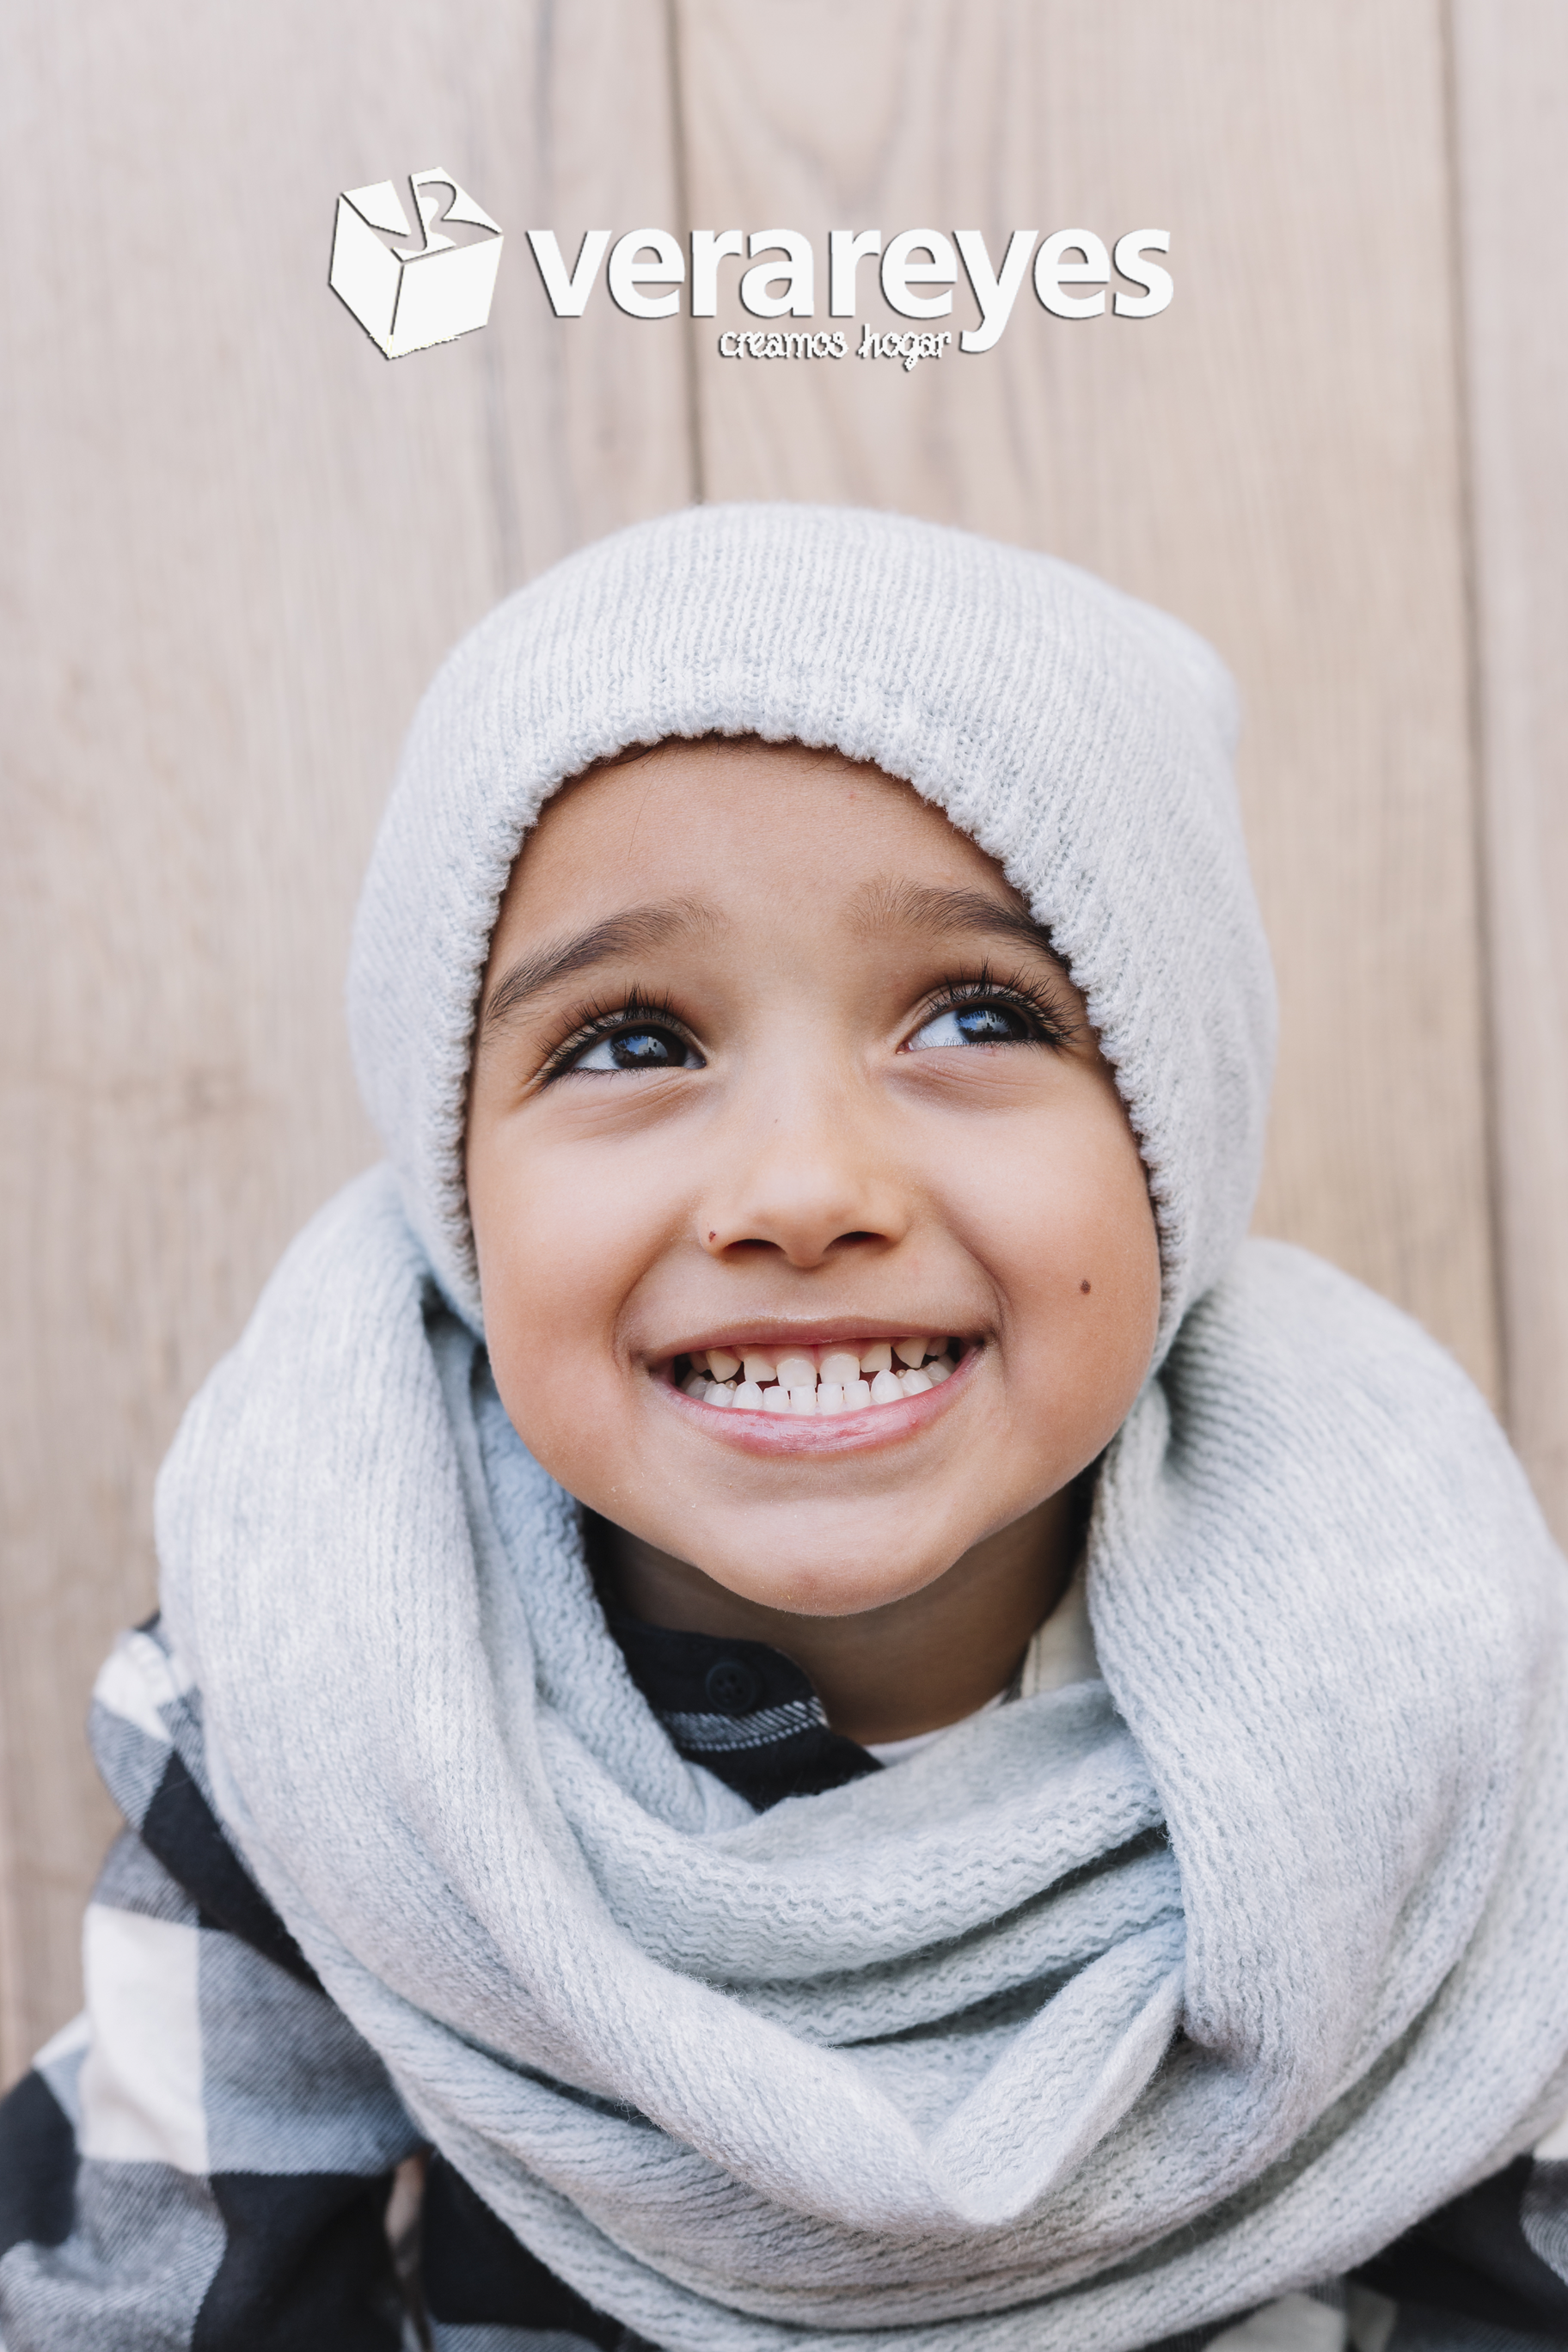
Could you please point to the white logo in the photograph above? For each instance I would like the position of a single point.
(427, 288)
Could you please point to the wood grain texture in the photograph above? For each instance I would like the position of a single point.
(237, 542)
(1511, 117)
(1277, 457)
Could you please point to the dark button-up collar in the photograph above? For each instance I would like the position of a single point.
(742, 1709)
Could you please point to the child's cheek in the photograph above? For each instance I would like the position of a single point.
(1058, 1212)
(561, 1242)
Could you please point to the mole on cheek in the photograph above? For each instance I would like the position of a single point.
(1082, 1286)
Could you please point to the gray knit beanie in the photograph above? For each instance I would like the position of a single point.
(1083, 739)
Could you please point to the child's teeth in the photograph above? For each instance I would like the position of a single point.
(699, 1360)
(789, 1384)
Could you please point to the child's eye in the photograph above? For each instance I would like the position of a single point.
(643, 1047)
(988, 1023)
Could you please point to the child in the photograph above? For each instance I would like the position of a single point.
(919, 1746)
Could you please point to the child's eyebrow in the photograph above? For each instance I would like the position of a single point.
(631, 932)
(889, 905)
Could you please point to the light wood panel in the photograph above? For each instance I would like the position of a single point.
(236, 541)
(1511, 114)
(1277, 457)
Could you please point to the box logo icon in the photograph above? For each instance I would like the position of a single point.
(409, 289)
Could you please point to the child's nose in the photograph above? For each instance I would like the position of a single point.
(803, 1180)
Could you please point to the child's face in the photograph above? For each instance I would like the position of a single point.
(732, 1091)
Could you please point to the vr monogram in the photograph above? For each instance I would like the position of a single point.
(410, 284)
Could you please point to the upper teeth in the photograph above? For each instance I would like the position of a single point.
(792, 1382)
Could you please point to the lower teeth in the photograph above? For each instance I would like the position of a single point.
(885, 1387)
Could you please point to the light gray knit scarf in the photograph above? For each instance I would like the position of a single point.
(1117, 2010)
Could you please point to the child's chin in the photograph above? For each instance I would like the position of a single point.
(825, 1558)
(823, 1587)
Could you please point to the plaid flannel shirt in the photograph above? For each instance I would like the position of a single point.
(211, 2157)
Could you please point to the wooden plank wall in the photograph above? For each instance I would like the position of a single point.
(1510, 92)
(1278, 458)
(236, 541)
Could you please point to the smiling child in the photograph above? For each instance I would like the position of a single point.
(790, 1679)
(777, 1098)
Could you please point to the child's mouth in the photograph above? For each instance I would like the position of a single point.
(816, 1382)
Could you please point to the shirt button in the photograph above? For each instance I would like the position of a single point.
(732, 1687)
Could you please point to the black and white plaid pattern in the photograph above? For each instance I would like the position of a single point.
(212, 2122)
(764, 1727)
(204, 2158)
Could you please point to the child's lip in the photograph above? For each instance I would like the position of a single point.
(839, 1432)
(772, 1338)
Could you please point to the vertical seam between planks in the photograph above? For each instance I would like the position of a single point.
(683, 210)
(1475, 699)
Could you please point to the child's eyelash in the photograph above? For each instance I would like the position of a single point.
(635, 1009)
(1057, 1024)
